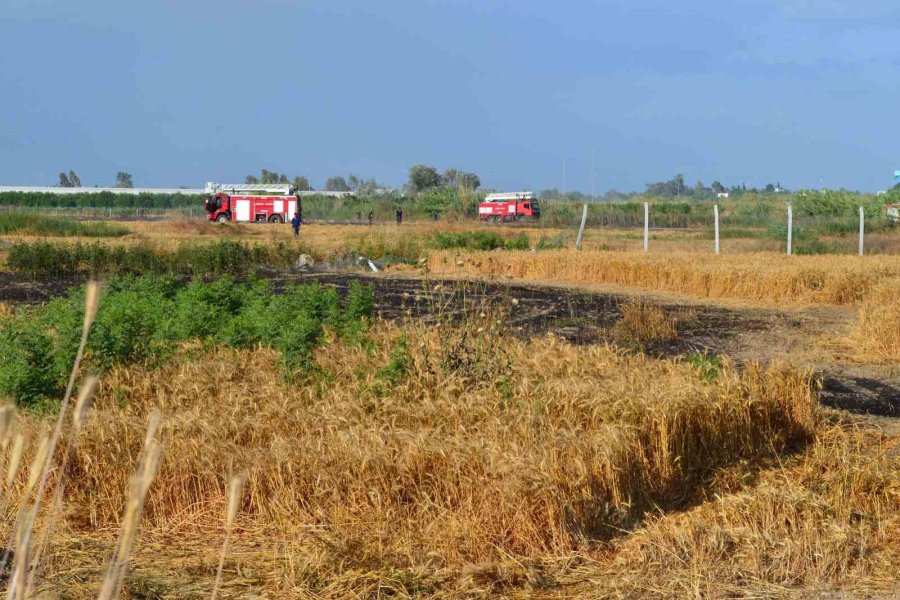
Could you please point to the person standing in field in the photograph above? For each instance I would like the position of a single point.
(399, 215)
(295, 224)
(371, 217)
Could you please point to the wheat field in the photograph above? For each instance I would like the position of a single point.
(406, 467)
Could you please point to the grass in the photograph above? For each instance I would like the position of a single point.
(479, 240)
(838, 280)
(443, 472)
(876, 335)
(643, 323)
(145, 321)
(222, 257)
(37, 225)
(410, 464)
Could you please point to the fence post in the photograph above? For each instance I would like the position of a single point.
(646, 226)
(862, 230)
(790, 231)
(716, 212)
(581, 229)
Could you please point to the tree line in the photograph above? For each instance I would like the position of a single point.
(71, 180)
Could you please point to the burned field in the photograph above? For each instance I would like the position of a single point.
(744, 335)
(583, 318)
(498, 430)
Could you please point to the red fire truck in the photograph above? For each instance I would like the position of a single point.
(509, 206)
(251, 202)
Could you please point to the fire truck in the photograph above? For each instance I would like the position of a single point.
(509, 206)
(256, 202)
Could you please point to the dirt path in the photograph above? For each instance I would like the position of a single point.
(806, 337)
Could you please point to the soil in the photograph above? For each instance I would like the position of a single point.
(799, 336)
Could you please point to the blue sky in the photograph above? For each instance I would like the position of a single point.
(803, 92)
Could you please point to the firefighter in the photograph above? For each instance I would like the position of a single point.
(399, 215)
(371, 216)
(295, 223)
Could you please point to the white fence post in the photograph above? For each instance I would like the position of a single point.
(646, 226)
(790, 231)
(862, 230)
(581, 229)
(716, 212)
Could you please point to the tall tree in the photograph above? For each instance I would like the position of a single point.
(74, 181)
(422, 177)
(300, 183)
(678, 184)
(450, 178)
(123, 180)
(469, 181)
(336, 184)
(64, 181)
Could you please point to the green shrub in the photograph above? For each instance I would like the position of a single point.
(142, 320)
(398, 366)
(479, 240)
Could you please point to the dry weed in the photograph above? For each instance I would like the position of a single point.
(644, 323)
(769, 278)
(438, 482)
(877, 332)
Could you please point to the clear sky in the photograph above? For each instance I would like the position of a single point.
(802, 92)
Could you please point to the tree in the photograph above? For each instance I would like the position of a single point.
(336, 184)
(469, 181)
(678, 184)
(450, 178)
(301, 184)
(667, 189)
(74, 181)
(123, 180)
(717, 187)
(423, 177)
(770, 189)
(251, 180)
(64, 181)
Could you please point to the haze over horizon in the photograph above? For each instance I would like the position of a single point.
(799, 92)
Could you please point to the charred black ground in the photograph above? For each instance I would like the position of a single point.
(576, 316)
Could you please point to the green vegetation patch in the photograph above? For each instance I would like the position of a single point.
(31, 224)
(223, 257)
(479, 240)
(143, 320)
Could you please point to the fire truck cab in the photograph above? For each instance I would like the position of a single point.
(271, 203)
(509, 206)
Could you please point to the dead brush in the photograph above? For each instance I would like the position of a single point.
(643, 323)
(474, 330)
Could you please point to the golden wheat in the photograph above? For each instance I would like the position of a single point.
(877, 332)
(757, 277)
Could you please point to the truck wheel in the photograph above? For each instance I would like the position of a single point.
(223, 218)
(520, 218)
(274, 219)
